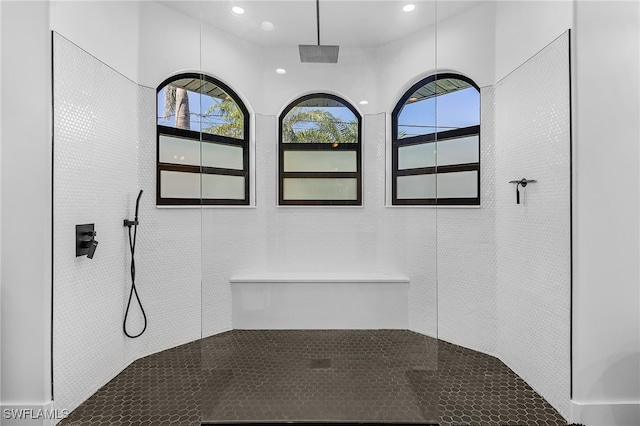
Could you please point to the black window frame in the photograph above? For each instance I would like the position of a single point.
(306, 146)
(436, 136)
(204, 138)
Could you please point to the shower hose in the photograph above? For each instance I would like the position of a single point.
(132, 246)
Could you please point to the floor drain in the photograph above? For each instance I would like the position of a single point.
(320, 363)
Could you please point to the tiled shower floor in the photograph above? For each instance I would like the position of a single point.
(355, 375)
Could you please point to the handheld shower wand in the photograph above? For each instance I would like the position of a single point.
(132, 245)
(134, 222)
(138, 205)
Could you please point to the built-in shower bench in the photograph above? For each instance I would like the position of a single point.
(320, 300)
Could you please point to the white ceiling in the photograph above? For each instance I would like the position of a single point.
(347, 23)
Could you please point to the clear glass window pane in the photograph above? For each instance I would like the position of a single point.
(179, 108)
(416, 156)
(416, 187)
(320, 189)
(200, 105)
(320, 120)
(179, 184)
(222, 187)
(418, 117)
(458, 185)
(222, 156)
(179, 150)
(440, 105)
(458, 151)
(458, 109)
(320, 161)
(222, 117)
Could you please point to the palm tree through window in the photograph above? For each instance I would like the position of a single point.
(320, 152)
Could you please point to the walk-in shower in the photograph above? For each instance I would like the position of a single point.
(335, 243)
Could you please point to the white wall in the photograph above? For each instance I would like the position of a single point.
(107, 29)
(26, 204)
(523, 28)
(464, 43)
(277, 91)
(606, 381)
(533, 141)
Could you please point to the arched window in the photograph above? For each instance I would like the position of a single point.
(203, 143)
(320, 152)
(436, 143)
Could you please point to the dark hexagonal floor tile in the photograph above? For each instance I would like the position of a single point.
(316, 375)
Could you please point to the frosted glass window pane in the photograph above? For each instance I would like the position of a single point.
(222, 156)
(416, 186)
(223, 187)
(414, 156)
(320, 161)
(458, 185)
(458, 151)
(320, 189)
(179, 150)
(179, 184)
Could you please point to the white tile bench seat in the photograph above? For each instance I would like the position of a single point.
(320, 300)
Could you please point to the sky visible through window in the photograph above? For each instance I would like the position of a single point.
(454, 110)
(198, 105)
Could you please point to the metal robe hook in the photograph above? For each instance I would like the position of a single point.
(522, 182)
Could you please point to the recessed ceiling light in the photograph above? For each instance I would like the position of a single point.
(413, 99)
(363, 102)
(267, 26)
(237, 10)
(281, 71)
(409, 8)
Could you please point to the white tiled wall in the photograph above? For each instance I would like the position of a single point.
(104, 152)
(95, 172)
(168, 251)
(533, 238)
(467, 254)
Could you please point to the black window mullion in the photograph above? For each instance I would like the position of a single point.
(184, 168)
(181, 133)
(221, 171)
(224, 140)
